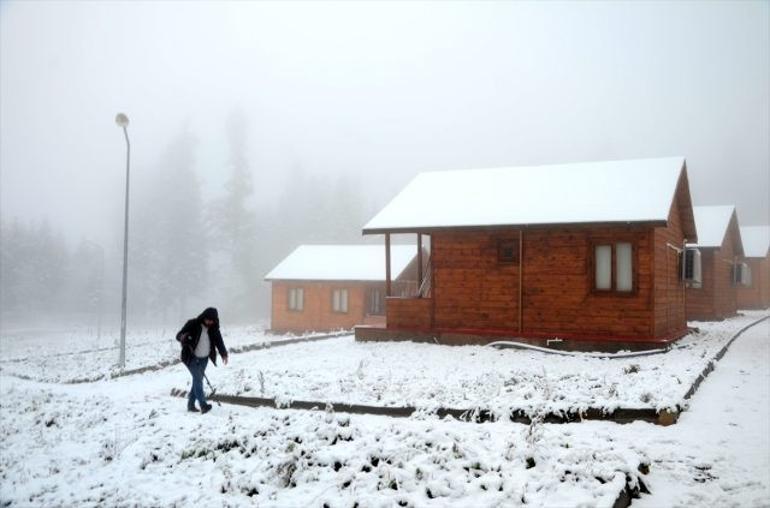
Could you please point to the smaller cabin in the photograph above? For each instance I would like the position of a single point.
(714, 297)
(755, 294)
(333, 287)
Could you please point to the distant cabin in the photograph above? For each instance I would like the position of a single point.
(332, 287)
(586, 253)
(755, 294)
(714, 297)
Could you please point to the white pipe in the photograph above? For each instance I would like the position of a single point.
(522, 345)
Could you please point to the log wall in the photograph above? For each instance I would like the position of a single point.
(473, 290)
(409, 313)
(716, 299)
(670, 298)
(700, 300)
(756, 296)
(559, 295)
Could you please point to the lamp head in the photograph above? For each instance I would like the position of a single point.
(122, 120)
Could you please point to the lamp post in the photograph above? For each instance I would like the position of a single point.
(122, 121)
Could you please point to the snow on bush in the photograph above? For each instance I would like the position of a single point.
(98, 452)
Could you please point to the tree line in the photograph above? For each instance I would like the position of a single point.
(185, 251)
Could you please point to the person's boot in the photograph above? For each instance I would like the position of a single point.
(205, 408)
(191, 408)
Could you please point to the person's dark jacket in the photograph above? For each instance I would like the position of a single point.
(190, 334)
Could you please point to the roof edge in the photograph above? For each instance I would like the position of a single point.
(323, 280)
(487, 227)
(682, 193)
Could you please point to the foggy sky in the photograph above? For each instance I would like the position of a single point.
(375, 91)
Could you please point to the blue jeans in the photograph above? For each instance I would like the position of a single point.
(197, 366)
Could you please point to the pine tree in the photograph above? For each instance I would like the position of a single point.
(234, 225)
(10, 273)
(168, 264)
(85, 281)
(34, 270)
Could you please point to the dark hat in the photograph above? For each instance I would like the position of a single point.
(211, 314)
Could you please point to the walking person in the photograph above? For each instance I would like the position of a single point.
(201, 339)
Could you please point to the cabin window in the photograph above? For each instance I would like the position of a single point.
(741, 275)
(296, 299)
(623, 262)
(614, 267)
(508, 251)
(340, 300)
(603, 266)
(376, 307)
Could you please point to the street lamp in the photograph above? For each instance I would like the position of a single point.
(122, 121)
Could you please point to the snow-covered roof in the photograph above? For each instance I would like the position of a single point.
(588, 192)
(342, 262)
(756, 241)
(712, 223)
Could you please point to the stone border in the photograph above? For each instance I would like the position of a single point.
(466, 415)
(620, 415)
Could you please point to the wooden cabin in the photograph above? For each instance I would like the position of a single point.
(578, 256)
(333, 287)
(714, 297)
(756, 244)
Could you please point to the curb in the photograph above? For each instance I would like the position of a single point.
(466, 415)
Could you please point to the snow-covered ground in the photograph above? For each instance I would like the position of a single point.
(126, 442)
(68, 355)
(24, 343)
(467, 377)
(719, 452)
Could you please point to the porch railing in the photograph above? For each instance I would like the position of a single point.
(425, 285)
(406, 288)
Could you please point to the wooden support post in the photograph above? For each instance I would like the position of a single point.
(419, 264)
(387, 264)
